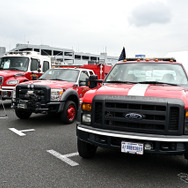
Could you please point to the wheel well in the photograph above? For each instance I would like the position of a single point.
(75, 99)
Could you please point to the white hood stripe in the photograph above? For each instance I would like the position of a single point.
(138, 89)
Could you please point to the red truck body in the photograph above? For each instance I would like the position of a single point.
(141, 107)
(58, 90)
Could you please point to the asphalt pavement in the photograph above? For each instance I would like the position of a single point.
(42, 152)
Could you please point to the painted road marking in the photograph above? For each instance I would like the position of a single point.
(183, 177)
(64, 158)
(21, 132)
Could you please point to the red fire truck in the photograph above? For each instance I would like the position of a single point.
(142, 107)
(58, 90)
(17, 67)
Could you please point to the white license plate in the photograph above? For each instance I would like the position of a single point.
(24, 106)
(133, 148)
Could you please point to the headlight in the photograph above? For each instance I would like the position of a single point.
(56, 94)
(86, 118)
(12, 82)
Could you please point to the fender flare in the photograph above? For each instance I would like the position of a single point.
(69, 93)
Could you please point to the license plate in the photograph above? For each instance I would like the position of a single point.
(24, 106)
(133, 148)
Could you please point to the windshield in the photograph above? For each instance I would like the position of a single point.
(69, 75)
(147, 73)
(14, 63)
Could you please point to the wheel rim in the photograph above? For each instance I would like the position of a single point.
(71, 112)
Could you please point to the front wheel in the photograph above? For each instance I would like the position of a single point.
(69, 112)
(85, 149)
(22, 114)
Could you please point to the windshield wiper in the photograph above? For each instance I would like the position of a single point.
(123, 82)
(57, 79)
(14, 69)
(156, 82)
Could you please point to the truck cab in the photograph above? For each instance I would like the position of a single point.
(17, 67)
(141, 107)
(57, 91)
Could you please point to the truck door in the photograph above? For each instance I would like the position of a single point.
(82, 89)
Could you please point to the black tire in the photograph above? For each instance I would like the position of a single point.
(85, 149)
(22, 114)
(69, 113)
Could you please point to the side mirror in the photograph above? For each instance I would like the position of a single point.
(93, 81)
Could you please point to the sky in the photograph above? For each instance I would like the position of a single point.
(149, 27)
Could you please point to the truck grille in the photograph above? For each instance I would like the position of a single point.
(139, 114)
(1, 80)
(34, 93)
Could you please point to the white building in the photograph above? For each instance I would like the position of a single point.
(67, 56)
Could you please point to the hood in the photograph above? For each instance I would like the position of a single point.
(9, 73)
(51, 83)
(149, 90)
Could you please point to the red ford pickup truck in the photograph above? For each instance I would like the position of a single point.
(141, 107)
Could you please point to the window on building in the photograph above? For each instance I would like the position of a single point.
(46, 52)
(55, 52)
(37, 50)
(77, 57)
(26, 49)
(85, 57)
(93, 58)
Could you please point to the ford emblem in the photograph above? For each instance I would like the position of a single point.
(133, 116)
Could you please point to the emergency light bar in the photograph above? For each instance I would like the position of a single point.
(151, 59)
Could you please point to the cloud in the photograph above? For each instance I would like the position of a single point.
(150, 13)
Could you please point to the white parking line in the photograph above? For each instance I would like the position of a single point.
(21, 132)
(183, 177)
(64, 158)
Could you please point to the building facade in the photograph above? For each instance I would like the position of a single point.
(67, 56)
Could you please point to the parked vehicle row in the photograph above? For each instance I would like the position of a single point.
(139, 106)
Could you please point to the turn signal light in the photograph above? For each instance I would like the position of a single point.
(186, 114)
(86, 106)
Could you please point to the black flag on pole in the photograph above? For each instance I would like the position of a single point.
(122, 55)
